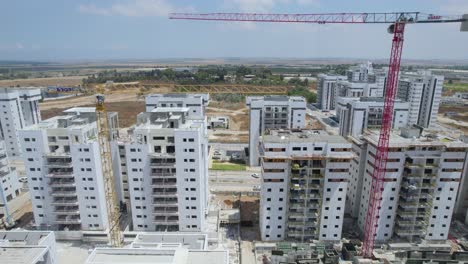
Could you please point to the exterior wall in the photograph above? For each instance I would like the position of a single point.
(423, 91)
(65, 180)
(271, 112)
(86, 162)
(356, 115)
(326, 91)
(18, 108)
(302, 197)
(419, 193)
(10, 187)
(168, 178)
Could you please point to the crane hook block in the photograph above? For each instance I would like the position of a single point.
(464, 24)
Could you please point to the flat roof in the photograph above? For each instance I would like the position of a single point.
(21, 255)
(429, 139)
(286, 136)
(187, 240)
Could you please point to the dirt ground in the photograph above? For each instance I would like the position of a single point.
(56, 81)
(462, 111)
(128, 111)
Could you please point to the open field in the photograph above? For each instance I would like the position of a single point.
(450, 89)
(462, 111)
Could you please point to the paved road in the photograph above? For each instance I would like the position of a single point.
(232, 181)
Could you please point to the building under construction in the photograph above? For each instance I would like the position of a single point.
(303, 193)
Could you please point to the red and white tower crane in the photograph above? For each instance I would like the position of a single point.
(397, 21)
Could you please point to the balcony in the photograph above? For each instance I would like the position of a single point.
(68, 220)
(165, 202)
(62, 184)
(164, 183)
(166, 213)
(164, 194)
(156, 175)
(68, 175)
(67, 212)
(59, 165)
(63, 194)
(65, 202)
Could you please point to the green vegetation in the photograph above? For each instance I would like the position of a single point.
(304, 91)
(228, 166)
(453, 87)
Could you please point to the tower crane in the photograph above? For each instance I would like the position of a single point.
(112, 205)
(397, 21)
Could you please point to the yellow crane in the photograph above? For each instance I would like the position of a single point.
(113, 210)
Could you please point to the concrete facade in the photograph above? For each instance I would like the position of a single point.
(63, 166)
(19, 108)
(272, 112)
(423, 92)
(421, 183)
(303, 188)
(326, 90)
(359, 114)
(167, 166)
(10, 187)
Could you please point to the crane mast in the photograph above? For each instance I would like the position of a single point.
(398, 21)
(113, 212)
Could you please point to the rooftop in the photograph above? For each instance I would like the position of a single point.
(23, 247)
(426, 139)
(179, 239)
(286, 136)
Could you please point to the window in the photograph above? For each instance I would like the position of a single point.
(268, 199)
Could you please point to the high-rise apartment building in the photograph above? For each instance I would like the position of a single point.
(326, 90)
(355, 115)
(63, 166)
(305, 176)
(423, 92)
(19, 108)
(195, 102)
(10, 187)
(360, 81)
(167, 168)
(273, 112)
(422, 178)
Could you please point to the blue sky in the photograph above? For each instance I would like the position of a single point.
(58, 30)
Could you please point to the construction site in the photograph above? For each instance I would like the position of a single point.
(244, 166)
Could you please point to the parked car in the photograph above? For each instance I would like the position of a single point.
(23, 179)
(255, 175)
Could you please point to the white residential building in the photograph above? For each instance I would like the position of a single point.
(423, 92)
(360, 81)
(326, 90)
(356, 115)
(273, 112)
(28, 247)
(10, 187)
(422, 179)
(195, 102)
(19, 108)
(305, 176)
(167, 167)
(63, 166)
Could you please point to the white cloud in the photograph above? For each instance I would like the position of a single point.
(134, 8)
(264, 5)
